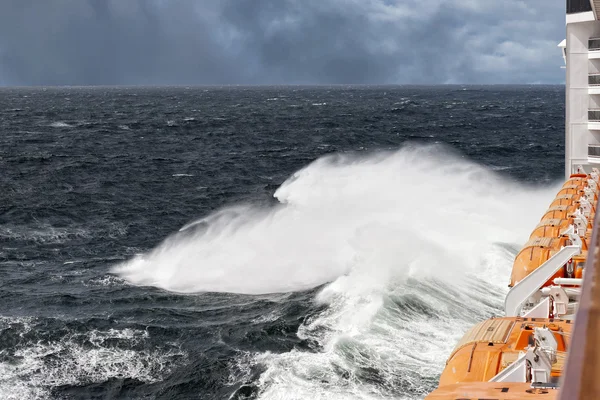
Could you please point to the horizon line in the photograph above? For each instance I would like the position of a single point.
(271, 85)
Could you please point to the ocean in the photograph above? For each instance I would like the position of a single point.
(287, 242)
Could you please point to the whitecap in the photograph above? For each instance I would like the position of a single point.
(312, 236)
(60, 124)
(412, 247)
(31, 371)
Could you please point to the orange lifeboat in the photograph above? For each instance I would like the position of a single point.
(491, 391)
(583, 182)
(536, 252)
(575, 182)
(564, 200)
(554, 227)
(492, 346)
(546, 238)
(580, 183)
(579, 190)
(570, 189)
(488, 348)
(559, 212)
(551, 227)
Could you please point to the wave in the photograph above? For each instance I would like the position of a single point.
(415, 246)
(60, 124)
(35, 370)
(340, 212)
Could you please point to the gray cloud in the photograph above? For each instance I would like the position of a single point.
(143, 42)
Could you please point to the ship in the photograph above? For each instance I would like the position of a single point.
(547, 343)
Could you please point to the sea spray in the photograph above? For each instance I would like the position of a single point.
(339, 210)
(81, 199)
(417, 246)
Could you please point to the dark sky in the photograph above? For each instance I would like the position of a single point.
(192, 42)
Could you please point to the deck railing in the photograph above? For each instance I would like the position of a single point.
(594, 79)
(594, 44)
(594, 115)
(594, 150)
(577, 6)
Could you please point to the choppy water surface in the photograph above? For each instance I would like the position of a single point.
(144, 232)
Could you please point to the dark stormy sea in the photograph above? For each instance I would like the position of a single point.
(260, 242)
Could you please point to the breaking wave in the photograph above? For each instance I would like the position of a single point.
(416, 245)
(396, 213)
(388, 326)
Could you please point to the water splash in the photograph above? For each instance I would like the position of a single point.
(343, 210)
(417, 246)
(387, 329)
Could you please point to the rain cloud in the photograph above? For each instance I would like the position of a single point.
(187, 42)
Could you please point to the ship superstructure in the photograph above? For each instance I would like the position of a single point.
(523, 354)
(581, 50)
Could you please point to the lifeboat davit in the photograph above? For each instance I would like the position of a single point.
(560, 212)
(491, 346)
(503, 355)
(565, 212)
(551, 227)
(580, 191)
(536, 252)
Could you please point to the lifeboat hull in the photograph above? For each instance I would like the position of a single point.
(491, 390)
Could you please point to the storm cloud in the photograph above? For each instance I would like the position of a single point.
(187, 42)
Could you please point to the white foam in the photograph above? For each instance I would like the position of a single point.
(342, 211)
(37, 368)
(388, 328)
(60, 124)
(419, 279)
(105, 280)
(417, 246)
(43, 233)
(270, 317)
